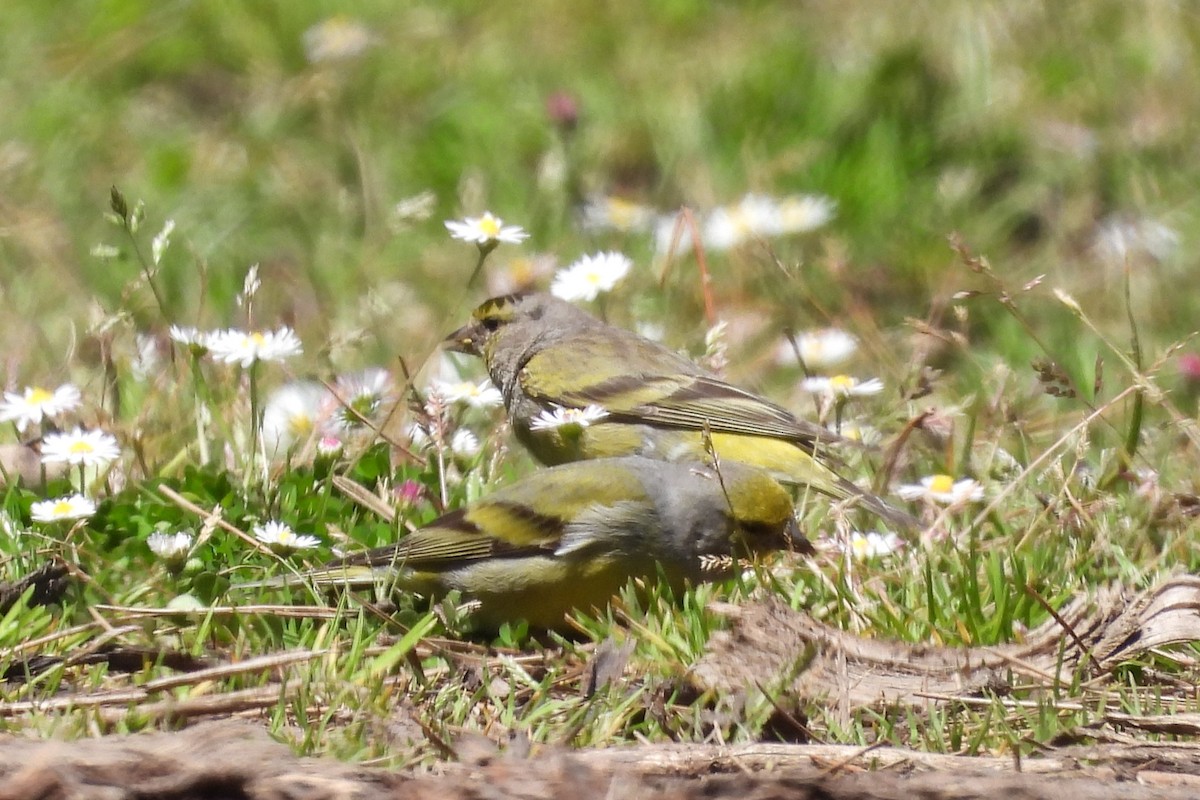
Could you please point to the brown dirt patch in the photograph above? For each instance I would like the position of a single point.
(238, 760)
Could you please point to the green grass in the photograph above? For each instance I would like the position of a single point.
(1020, 127)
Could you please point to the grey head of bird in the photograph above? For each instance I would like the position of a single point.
(506, 331)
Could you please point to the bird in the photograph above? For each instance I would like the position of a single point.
(545, 354)
(570, 537)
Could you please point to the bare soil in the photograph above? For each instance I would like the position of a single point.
(768, 647)
(239, 760)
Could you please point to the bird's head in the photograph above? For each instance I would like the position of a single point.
(506, 328)
(761, 511)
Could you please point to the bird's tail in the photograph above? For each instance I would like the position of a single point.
(843, 489)
(795, 466)
(342, 576)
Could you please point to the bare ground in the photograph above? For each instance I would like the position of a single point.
(239, 760)
(772, 645)
(769, 647)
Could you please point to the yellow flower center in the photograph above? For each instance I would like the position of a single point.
(842, 383)
(942, 484)
(39, 395)
(61, 508)
(520, 270)
(622, 212)
(258, 339)
(489, 225)
(860, 546)
(300, 424)
(82, 447)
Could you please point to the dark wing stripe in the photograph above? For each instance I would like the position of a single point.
(454, 539)
(721, 422)
(549, 528)
(704, 401)
(746, 405)
(602, 392)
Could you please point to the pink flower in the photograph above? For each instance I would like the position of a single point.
(410, 492)
(1189, 366)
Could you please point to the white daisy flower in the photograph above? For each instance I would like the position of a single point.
(944, 490)
(486, 230)
(560, 417)
(841, 386)
(292, 412)
(608, 213)
(74, 506)
(464, 443)
(756, 215)
(279, 536)
(89, 448)
(475, 395)
(664, 234)
(1118, 238)
(726, 227)
(170, 546)
(363, 393)
(521, 274)
(819, 348)
(239, 347)
(34, 404)
(858, 432)
(873, 545)
(191, 338)
(801, 213)
(589, 276)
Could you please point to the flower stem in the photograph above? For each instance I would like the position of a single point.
(484, 249)
(255, 421)
(200, 393)
(146, 270)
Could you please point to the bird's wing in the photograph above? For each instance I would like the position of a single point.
(701, 401)
(646, 393)
(529, 517)
(455, 538)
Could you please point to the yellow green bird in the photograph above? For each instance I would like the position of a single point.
(545, 354)
(570, 537)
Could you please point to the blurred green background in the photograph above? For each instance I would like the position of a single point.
(285, 134)
(327, 143)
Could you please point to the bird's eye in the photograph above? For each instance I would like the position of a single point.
(490, 323)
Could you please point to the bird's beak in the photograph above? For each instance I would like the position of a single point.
(797, 541)
(464, 340)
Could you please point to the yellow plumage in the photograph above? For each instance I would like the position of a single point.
(570, 537)
(543, 353)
